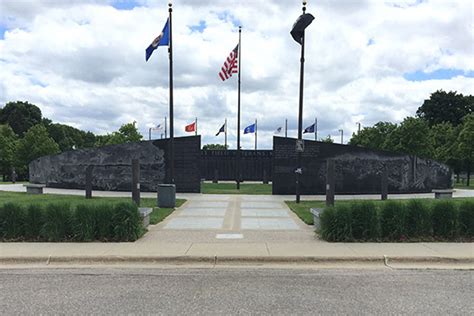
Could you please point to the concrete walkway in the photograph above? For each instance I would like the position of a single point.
(244, 229)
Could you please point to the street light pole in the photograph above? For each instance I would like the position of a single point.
(342, 136)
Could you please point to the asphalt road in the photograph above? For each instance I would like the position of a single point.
(235, 291)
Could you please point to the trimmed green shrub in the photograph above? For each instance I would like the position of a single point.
(57, 226)
(418, 219)
(466, 219)
(34, 221)
(336, 223)
(103, 220)
(12, 221)
(444, 219)
(392, 220)
(364, 220)
(126, 221)
(84, 222)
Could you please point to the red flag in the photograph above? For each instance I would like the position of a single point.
(191, 127)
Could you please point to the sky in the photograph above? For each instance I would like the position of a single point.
(83, 62)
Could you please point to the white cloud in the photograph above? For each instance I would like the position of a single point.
(83, 62)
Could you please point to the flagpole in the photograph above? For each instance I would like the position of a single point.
(149, 133)
(166, 127)
(238, 110)
(255, 134)
(286, 128)
(225, 134)
(300, 115)
(170, 50)
(196, 131)
(315, 128)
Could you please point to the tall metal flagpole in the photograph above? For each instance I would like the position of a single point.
(315, 128)
(238, 110)
(255, 134)
(300, 116)
(170, 50)
(166, 127)
(225, 134)
(196, 130)
(286, 128)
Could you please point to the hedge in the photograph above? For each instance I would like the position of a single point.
(60, 222)
(414, 220)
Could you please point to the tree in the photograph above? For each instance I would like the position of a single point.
(35, 144)
(446, 107)
(8, 144)
(410, 137)
(68, 137)
(127, 133)
(328, 140)
(466, 144)
(373, 137)
(214, 147)
(21, 116)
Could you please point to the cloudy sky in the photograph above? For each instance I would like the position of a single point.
(83, 62)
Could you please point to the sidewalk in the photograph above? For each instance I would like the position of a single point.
(235, 229)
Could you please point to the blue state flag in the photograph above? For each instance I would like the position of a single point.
(161, 40)
(309, 129)
(250, 129)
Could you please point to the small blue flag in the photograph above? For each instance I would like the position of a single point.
(221, 130)
(309, 129)
(250, 129)
(162, 40)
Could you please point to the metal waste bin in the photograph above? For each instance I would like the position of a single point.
(166, 195)
(316, 217)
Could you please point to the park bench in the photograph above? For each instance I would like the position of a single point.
(145, 214)
(443, 193)
(34, 188)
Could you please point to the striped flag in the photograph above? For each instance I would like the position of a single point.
(230, 65)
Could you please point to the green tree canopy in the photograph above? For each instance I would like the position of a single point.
(21, 116)
(127, 133)
(466, 144)
(373, 137)
(35, 144)
(8, 144)
(214, 147)
(328, 139)
(446, 107)
(410, 137)
(68, 137)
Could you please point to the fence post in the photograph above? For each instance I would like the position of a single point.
(88, 185)
(136, 181)
(384, 183)
(330, 182)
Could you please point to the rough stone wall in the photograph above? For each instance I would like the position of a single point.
(358, 170)
(112, 166)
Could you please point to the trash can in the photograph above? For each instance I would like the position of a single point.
(166, 195)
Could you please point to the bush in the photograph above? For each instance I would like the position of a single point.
(336, 223)
(12, 219)
(466, 219)
(84, 222)
(364, 220)
(34, 221)
(418, 219)
(127, 223)
(392, 220)
(444, 219)
(103, 219)
(57, 226)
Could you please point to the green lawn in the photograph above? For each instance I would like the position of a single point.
(9, 182)
(302, 209)
(464, 186)
(156, 216)
(230, 188)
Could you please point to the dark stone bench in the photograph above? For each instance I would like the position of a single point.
(145, 215)
(34, 188)
(443, 194)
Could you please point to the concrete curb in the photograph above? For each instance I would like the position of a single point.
(215, 260)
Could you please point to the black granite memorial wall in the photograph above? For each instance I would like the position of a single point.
(358, 170)
(255, 164)
(112, 170)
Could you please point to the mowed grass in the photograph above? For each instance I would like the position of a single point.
(464, 186)
(231, 188)
(302, 210)
(24, 199)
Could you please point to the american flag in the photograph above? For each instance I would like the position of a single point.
(230, 65)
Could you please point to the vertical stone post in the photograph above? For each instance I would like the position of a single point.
(136, 181)
(216, 176)
(384, 183)
(265, 175)
(88, 185)
(330, 182)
